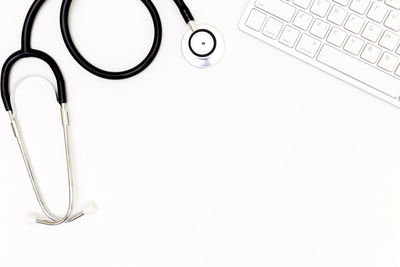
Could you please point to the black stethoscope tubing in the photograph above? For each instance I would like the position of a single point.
(26, 50)
(107, 74)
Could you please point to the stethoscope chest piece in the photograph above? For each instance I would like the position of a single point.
(203, 46)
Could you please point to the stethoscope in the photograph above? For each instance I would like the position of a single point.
(202, 46)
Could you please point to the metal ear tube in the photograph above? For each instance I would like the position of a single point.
(52, 219)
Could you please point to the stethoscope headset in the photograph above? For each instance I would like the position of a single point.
(202, 46)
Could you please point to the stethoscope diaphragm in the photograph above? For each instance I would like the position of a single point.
(203, 45)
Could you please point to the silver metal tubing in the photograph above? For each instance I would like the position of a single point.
(51, 218)
(192, 25)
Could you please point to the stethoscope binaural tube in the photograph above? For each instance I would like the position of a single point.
(26, 51)
(30, 53)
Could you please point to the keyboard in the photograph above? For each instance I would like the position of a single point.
(354, 40)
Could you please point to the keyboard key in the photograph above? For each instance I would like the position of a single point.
(320, 7)
(377, 12)
(319, 28)
(277, 8)
(337, 15)
(302, 3)
(303, 20)
(388, 62)
(372, 32)
(359, 70)
(360, 6)
(354, 23)
(354, 45)
(389, 40)
(393, 21)
(308, 45)
(341, 2)
(393, 3)
(272, 28)
(289, 36)
(336, 37)
(397, 71)
(371, 53)
(255, 20)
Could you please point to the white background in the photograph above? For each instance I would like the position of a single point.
(259, 161)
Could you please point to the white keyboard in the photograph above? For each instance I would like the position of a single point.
(355, 40)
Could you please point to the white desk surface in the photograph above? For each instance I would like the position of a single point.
(259, 161)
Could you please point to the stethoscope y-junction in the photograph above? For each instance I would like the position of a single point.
(202, 46)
